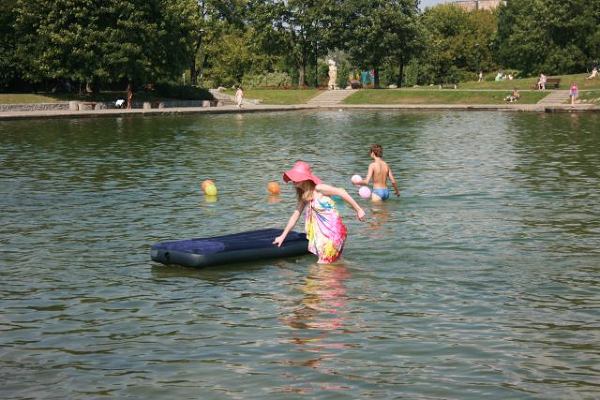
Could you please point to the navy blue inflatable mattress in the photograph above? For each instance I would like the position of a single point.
(244, 246)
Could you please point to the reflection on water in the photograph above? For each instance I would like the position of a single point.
(380, 216)
(480, 281)
(318, 321)
(324, 299)
(273, 198)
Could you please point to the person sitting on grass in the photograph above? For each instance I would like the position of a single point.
(594, 73)
(514, 96)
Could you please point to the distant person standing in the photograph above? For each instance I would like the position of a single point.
(573, 93)
(239, 96)
(480, 76)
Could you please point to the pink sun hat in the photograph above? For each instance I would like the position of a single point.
(300, 172)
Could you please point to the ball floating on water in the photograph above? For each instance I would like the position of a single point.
(356, 179)
(210, 190)
(364, 192)
(205, 183)
(273, 188)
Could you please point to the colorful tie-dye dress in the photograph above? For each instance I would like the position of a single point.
(325, 230)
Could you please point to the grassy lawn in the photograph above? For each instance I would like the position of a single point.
(445, 96)
(467, 93)
(589, 97)
(27, 98)
(279, 96)
(18, 98)
(528, 83)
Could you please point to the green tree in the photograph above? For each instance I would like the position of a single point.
(210, 20)
(300, 31)
(8, 42)
(93, 41)
(229, 59)
(405, 38)
(458, 44)
(549, 36)
(381, 29)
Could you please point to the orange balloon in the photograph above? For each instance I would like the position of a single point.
(273, 188)
(206, 183)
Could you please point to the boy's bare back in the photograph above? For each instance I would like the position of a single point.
(380, 172)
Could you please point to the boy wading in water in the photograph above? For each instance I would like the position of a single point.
(380, 172)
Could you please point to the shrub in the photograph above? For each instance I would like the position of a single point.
(174, 91)
(343, 75)
(270, 79)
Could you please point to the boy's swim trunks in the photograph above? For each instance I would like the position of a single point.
(384, 194)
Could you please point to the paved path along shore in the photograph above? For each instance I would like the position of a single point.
(12, 115)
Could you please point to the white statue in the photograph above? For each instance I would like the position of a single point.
(332, 75)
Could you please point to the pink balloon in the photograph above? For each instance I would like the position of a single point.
(364, 192)
(356, 179)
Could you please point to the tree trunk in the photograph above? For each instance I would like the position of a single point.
(301, 73)
(202, 66)
(400, 73)
(193, 73)
(193, 70)
(316, 68)
(376, 77)
(129, 94)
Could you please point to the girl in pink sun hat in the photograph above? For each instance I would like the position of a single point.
(325, 231)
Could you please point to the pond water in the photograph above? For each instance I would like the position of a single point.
(481, 281)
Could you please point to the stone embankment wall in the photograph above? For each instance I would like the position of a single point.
(34, 107)
(97, 105)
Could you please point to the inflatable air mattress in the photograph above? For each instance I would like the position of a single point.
(244, 246)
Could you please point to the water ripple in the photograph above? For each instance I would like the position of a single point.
(480, 281)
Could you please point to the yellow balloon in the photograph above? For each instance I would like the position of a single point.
(210, 190)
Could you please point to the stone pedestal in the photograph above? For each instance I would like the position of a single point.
(86, 106)
(147, 105)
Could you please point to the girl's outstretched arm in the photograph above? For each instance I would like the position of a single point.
(336, 191)
(291, 222)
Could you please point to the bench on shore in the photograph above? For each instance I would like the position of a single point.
(448, 86)
(550, 82)
(553, 82)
